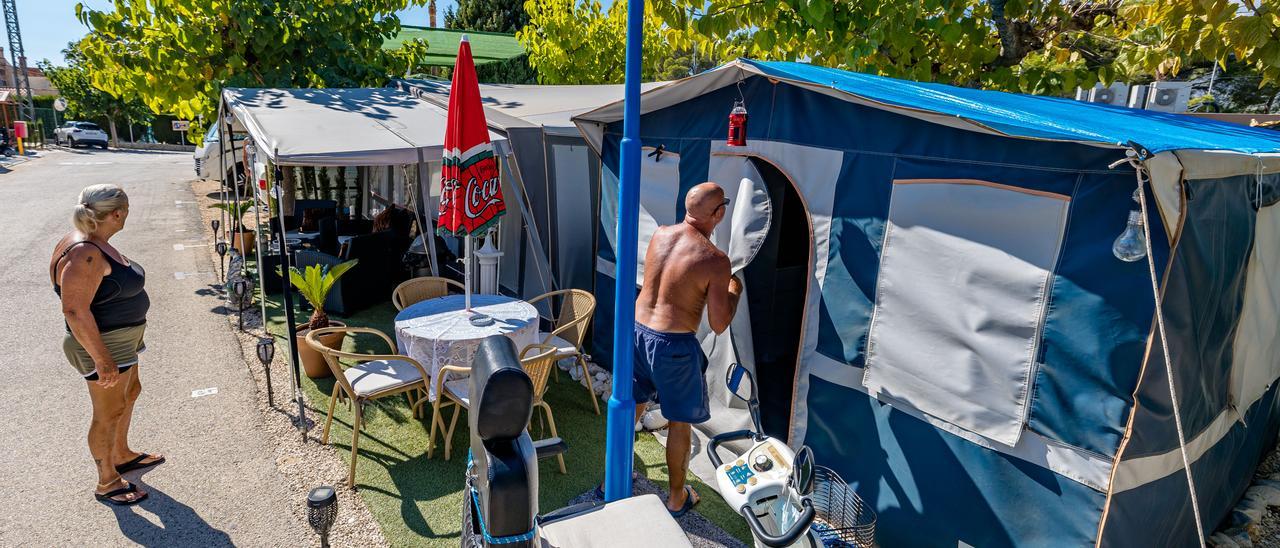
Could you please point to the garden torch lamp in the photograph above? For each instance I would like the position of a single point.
(214, 224)
(322, 509)
(239, 289)
(267, 352)
(221, 249)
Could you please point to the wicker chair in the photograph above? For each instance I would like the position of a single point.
(421, 289)
(537, 359)
(569, 328)
(372, 377)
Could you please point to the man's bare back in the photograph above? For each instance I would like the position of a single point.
(680, 265)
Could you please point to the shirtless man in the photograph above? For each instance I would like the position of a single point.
(683, 273)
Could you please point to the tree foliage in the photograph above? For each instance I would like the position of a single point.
(177, 55)
(86, 102)
(579, 42)
(1037, 46)
(487, 15)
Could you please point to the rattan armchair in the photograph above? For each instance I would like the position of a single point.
(538, 360)
(455, 393)
(371, 377)
(569, 328)
(421, 289)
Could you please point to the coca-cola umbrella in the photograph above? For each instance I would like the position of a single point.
(470, 192)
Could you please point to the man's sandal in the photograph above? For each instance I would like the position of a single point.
(138, 464)
(691, 498)
(128, 489)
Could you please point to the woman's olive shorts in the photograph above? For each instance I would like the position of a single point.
(124, 344)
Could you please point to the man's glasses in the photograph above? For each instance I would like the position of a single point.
(725, 203)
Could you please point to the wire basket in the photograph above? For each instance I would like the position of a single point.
(843, 519)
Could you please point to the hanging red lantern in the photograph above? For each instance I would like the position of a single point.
(738, 125)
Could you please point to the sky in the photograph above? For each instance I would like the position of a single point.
(48, 25)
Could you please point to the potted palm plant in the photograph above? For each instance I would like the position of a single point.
(242, 239)
(314, 283)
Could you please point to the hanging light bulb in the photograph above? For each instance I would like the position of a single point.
(1131, 245)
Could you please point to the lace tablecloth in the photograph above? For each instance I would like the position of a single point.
(437, 332)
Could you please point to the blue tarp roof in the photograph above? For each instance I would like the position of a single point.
(1037, 117)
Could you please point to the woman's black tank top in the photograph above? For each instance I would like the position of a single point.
(121, 300)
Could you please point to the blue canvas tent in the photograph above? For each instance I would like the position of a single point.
(934, 305)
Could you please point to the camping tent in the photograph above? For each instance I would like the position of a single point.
(936, 307)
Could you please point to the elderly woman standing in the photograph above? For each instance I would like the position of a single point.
(105, 306)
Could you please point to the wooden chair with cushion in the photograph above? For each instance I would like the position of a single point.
(569, 328)
(455, 393)
(371, 377)
(421, 289)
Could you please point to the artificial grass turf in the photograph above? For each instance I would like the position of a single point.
(418, 500)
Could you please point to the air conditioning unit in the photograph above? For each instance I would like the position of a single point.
(1115, 94)
(1138, 96)
(1169, 96)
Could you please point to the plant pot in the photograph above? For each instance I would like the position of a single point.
(241, 241)
(313, 363)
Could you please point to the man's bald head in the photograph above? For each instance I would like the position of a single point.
(704, 201)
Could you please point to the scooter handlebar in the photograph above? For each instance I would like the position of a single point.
(721, 438)
(787, 538)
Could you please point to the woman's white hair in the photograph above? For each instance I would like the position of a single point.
(96, 202)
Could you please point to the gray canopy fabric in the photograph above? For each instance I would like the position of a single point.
(341, 127)
(520, 105)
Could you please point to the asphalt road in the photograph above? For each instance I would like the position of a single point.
(220, 485)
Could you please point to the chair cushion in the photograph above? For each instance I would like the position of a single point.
(379, 375)
(637, 521)
(460, 389)
(563, 347)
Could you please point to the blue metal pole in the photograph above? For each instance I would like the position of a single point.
(622, 412)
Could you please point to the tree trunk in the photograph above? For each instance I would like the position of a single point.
(431, 8)
(111, 124)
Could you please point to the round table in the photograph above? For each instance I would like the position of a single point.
(438, 332)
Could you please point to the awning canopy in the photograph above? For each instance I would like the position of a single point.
(511, 105)
(341, 127)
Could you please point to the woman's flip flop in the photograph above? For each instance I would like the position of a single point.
(690, 500)
(110, 496)
(137, 464)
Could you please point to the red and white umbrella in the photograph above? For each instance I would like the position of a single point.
(470, 191)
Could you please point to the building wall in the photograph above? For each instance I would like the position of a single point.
(40, 85)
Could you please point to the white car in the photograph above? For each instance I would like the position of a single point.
(209, 162)
(75, 134)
